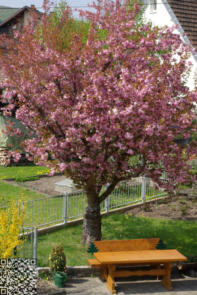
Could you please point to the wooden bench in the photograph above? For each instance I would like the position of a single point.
(121, 245)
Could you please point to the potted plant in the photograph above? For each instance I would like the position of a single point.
(57, 263)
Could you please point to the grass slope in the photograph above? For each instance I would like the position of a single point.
(177, 234)
(21, 172)
(11, 192)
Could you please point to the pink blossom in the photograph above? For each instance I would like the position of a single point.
(93, 107)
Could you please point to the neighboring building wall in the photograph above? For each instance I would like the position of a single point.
(27, 17)
(7, 142)
(162, 16)
(20, 19)
(17, 22)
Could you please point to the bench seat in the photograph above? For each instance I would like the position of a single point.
(94, 263)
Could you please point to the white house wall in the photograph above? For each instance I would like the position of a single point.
(164, 16)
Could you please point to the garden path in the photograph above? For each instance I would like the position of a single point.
(94, 286)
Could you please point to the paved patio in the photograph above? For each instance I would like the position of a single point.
(94, 286)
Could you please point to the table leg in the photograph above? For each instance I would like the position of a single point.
(158, 266)
(110, 279)
(103, 273)
(166, 281)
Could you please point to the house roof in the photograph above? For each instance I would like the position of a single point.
(6, 12)
(186, 13)
(16, 14)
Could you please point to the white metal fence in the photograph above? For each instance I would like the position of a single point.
(28, 249)
(60, 209)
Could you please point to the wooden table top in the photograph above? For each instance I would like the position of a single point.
(141, 256)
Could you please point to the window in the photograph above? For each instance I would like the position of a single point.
(153, 5)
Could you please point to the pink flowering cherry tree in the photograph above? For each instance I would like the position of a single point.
(104, 110)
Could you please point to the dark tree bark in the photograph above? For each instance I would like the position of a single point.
(92, 220)
(92, 217)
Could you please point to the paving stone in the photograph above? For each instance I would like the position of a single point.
(94, 286)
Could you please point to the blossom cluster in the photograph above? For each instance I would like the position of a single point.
(93, 108)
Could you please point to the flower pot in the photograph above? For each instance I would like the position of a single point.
(60, 279)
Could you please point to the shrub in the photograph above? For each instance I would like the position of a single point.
(11, 220)
(57, 259)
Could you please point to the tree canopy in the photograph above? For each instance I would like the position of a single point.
(106, 107)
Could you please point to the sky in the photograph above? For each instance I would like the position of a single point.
(81, 4)
(38, 3)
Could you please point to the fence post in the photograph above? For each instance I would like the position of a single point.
(107, 200)
(19, 205)
(35, 243)
(15, 251)
(143, 189)
(65, 208)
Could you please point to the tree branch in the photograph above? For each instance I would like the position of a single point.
(106, 148)
(49, 127)
(57, 83)
(108, 190)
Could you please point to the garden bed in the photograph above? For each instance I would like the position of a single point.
(180, 207)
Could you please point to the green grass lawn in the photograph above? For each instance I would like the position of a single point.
(21, 172)
(174, 233)
(10, 192)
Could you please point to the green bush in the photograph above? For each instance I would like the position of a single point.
(57, 259)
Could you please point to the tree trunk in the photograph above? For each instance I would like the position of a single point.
(92, 220)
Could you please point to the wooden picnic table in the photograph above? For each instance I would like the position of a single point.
(160, 261)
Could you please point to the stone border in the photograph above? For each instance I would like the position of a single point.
(77, 271)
